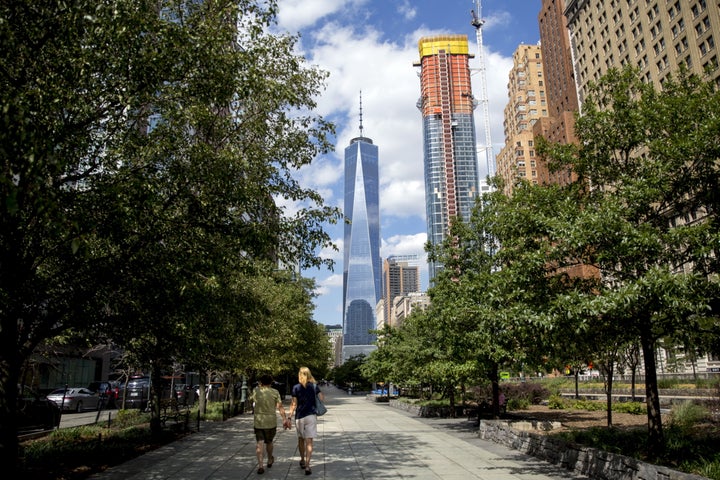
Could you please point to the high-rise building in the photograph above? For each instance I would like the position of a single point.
(562, 101)
(526, 105)
(656, 36)
(449, 147)
(362, 274)
(401, 276)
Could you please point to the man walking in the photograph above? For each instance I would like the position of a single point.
(266, 400)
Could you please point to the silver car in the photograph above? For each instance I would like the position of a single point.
(75, 399)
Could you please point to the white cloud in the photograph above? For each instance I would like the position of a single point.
(402, 198)
(296, 15)
(329, 283)
(406, 10)
(405, 245)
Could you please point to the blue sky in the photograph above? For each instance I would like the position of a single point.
(370, 45)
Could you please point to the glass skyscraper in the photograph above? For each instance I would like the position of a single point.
(362, 268)
(449, 148)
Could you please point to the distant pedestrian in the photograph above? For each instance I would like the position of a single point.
(303, 405)
(266, 399)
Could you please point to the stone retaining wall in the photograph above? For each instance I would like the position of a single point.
(582, 460)
(424, 412)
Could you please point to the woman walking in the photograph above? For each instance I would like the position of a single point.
(303, 405)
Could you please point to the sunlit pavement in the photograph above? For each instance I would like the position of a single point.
(357, 439)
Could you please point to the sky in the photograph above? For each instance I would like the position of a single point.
(370, 46)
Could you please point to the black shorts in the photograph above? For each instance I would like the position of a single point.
(266, 435)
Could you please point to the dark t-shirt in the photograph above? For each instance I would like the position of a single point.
(305, 399)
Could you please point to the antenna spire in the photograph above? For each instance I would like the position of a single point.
(361, 125)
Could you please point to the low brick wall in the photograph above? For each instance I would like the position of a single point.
(582, 460)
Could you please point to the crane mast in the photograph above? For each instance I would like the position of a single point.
(487, 149)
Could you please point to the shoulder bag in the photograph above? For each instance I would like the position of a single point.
(320, 407)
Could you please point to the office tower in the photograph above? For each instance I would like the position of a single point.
(656, 36)
(362, 275)
(526, 105)
(401, 276)
(449, 148)
(562, 101)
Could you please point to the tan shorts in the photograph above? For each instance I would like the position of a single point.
(307, 426)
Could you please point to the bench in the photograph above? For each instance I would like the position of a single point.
(171, 410)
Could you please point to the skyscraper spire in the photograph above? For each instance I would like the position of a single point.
(361, 126)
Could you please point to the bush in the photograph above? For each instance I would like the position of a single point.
(130, 417)
(87, 449)
(525, 393)
(556, 402)
(589, 405)
(685, 415)
(214, 412)
(517, 404)
(636, 408)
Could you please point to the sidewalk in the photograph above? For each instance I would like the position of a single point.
(357, 439)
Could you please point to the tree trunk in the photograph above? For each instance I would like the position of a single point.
(9, 375)
(495, 381)
(202, 401)
(577, 380)
(155, 393)
(451, 397)
(609, 369)
(652, 396)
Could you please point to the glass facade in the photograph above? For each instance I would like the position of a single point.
(362, 268)
(449, 146)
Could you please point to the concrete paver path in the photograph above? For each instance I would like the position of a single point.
(357, 439)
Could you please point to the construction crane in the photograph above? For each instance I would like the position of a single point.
(487, 149)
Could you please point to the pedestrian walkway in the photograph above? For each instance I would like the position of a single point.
(357, 439)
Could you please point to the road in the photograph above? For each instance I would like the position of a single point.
(72, 419)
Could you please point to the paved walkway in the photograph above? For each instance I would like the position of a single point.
(357, 439)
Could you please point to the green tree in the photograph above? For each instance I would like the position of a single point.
(500, 274)
(145, 151)
(644, 159)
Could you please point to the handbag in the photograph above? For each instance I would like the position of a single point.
(320, 407)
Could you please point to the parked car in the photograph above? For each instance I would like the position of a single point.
(137, 393)
(75, 399)
(35, 412)
(108, 392)
(184, 394)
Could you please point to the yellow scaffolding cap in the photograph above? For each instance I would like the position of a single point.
(452, 44)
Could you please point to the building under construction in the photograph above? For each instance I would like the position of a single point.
(449, 146)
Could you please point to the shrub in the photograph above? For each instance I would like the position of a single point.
(636, 408)
(530, 392)
(686, 414)
(589, 405)
(525, 393)
(668, 383)
(130, 417)
(214, 412)
(517, 404)
(556, 402)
